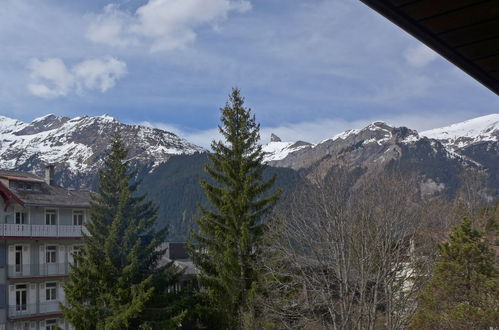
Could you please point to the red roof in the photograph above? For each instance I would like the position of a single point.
(9, 196)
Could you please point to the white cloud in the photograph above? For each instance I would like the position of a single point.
(51, 78)
(99, 73)
(420, 55)
(163, 24)
(110, 27)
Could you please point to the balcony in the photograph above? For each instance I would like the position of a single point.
(33, 270)
(27, 310)
(15, 230)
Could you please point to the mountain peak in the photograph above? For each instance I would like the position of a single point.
(378, 123)
(42, 124)
(76, 146)
(106, 117)
(45, 118)
(274, 138)
(484, 128)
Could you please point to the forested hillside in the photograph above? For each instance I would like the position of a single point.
(174, 186)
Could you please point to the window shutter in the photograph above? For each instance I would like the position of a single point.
(61, 254)
(26, 261)
(61, 296)
(12, 295)
(70, 255)
(32, 298)
(12, 255)
(42, 254)
(42, 292)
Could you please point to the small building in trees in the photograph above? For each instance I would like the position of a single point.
(41, 227)
(177, 253)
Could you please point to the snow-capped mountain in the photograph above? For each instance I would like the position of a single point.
(452, 139)
(375, 138)
(76, 146)
(456, 136)
(277, 149)
(439, 155)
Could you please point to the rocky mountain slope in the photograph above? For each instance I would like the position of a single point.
(476, 139)
(76, 146)
(440, 156)
(467, 133)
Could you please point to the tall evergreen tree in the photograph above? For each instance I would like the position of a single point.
(464, 290)
(117, 281)
(227, 246)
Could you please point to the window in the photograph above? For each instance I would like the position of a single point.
(50, 217)
(51, 254)
(19, 258)
(51, 291)
(78, 218)
(21, 293)
(21, 218)
(28, 186)
(50, 324)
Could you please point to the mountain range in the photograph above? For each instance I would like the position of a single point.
(438, 155)
(76, 146)
(171, 167)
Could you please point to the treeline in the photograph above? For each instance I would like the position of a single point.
(174, 187)
(348, 251)
(373, 253)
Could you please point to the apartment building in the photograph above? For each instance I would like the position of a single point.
(41, 226)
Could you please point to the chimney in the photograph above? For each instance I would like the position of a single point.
(49, 175)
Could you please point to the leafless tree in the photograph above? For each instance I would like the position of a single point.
(473, 196)
(349, 254)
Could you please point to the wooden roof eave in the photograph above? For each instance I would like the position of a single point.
(9, 197)
(410, 25)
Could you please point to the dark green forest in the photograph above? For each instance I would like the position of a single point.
(174, 186)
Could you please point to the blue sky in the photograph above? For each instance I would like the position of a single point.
(309, 69)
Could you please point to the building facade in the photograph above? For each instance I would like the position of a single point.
(41, 227)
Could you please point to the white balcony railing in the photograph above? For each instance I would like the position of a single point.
(29, 270)
(14, 230)
(16, 311)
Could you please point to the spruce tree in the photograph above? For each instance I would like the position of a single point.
(227, 246)
(463, 292)
(117, 282)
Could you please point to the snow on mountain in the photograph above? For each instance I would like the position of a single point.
(485, 128)
(77, 146)
(446, 139)
(277, 150)
(377, 132)
(377, 143)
